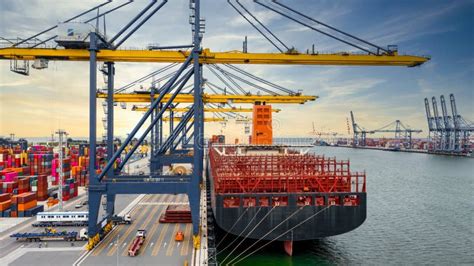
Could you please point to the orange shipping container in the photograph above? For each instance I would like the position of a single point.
(27, 206)
(262, 130)
(5, 205)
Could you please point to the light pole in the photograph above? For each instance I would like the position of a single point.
(61, 132)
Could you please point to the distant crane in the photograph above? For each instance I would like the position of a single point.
(320, 134)
(447, 133)
(397, 127)
(360, 133)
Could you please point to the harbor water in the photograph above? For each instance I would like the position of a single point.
(420, 211)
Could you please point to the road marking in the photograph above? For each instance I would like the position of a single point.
(159, 242)
(144, 226)
(111, 239)
(187, 241)
(124, 236)
(131, 228)
(164, 203)
(151, 234)
(170, 250)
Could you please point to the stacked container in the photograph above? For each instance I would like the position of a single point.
(42, 187)
(23, 185)
(40, 163)
(24, 205)
(5, 204)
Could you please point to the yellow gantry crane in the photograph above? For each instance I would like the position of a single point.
(378, 56)
(206, 109)
(206, 119)
(209, 57)
(213, 98)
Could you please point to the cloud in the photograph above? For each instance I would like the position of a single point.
(266, 17)
(413, 25)
(59, 95)
(425, 87)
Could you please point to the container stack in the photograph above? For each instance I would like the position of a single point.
(23, 205)
(176, 214)
(12, 158)
(40, 163)
(5, 204)
(23, 185)
(42, 187)
(3, 158)
(70, 189)
(56, 169)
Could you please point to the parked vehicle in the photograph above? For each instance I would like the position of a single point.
(127, 219)
(78, 218)
(51, 234)
(137, 243)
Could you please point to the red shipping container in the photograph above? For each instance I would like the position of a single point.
(5, 197)
(26, 197)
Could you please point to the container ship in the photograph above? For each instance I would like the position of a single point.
(282, 193)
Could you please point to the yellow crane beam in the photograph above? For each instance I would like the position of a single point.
(209, 57)
(206, 119)
(209, 110)
(213, 98)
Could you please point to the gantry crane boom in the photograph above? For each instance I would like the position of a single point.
(206, 119)
(213, 98)
(209, 110)
(209, 57)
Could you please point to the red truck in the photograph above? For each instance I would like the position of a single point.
(137, 243)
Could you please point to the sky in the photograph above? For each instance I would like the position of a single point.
(57, 97)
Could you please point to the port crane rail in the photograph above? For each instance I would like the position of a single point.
(99, 49)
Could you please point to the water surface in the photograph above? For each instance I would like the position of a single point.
(420, 210)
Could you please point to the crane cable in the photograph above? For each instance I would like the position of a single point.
(253, 25)
(261, 24)
(276, 86)
(223, 80)
(250, 222)
(284, 233)
(258, 87)
(238, 219)
(315, 29)
(228, 77)
(152, 74)
(287, 218)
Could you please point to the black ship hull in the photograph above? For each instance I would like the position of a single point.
(307, 222)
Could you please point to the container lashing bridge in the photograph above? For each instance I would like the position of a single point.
(189, 59)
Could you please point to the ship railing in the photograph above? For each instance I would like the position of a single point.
(277, 199)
